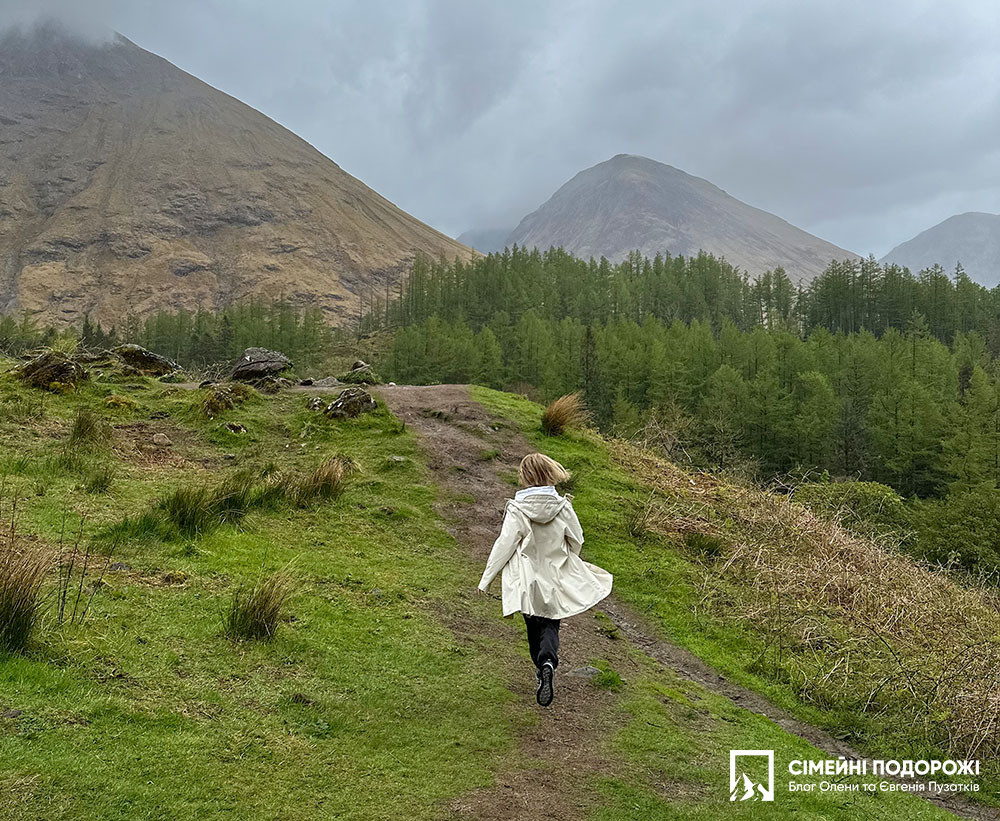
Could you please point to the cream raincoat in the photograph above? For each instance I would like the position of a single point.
(539, 552)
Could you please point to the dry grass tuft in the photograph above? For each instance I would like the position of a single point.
(850, 622)
(565, 413)
(22, 571)
(326, 482)
(254, 612)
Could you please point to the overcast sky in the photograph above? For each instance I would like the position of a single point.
(862, 122)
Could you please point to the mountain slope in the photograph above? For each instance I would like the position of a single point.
(972, 239)
(128, 185)
(631, 202)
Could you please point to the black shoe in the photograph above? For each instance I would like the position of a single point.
(545, 692)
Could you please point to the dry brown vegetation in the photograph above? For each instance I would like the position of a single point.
(848, 622)
(565, 413)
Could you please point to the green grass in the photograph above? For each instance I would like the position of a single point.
(659, 577)
(361, 707)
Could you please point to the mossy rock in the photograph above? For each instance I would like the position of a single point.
(51, 371)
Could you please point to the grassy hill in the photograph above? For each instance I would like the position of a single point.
(389, 690)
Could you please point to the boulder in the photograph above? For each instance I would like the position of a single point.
(352, 402)
(161, 440)
(327, 382)
(271, 384)
(358, 365)
(147, 362)
(256, 363)
(50, 371)
(316, 403)
(364, 375)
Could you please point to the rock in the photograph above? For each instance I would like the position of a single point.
(305, 382)
(361, 376)
(147, 362)
(392, 384)
(352, 402)
(235, 427)
(259, 362)
(228, 456)
(51, 371)
(271, 384)
(206, 383)
(397, 458)
(12, 713)
(120, 566)
(358, 365)
(327, 382)
(584, 672)
(104, 359)
(219, 398)
(316, 403)
(161, 440)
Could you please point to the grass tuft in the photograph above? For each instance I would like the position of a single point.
(324, 483)
(565, 413)
(88, 429)
(254, 612)
(22, 572)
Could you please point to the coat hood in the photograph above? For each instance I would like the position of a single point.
(540, 507)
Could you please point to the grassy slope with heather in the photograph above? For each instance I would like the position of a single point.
(365, 705)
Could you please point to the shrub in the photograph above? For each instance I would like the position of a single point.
(962, 529)
(255, 611)
(565, 413)
(865, 508)
(21, 575)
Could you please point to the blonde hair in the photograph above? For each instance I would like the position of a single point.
(538, 470)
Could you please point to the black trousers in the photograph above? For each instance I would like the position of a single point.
(543, 640)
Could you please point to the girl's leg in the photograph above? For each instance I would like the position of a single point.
(534, 637)
(548, 643)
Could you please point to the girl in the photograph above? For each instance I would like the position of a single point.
(543, 575)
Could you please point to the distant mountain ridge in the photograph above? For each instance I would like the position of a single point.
(631, 202)
(129, 186)
(972, 239)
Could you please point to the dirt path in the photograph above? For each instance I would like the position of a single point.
(471, 456)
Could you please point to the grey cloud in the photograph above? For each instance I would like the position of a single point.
(862, 122)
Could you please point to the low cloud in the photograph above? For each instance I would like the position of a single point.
(863, 123)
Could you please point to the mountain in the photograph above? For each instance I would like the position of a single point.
(972, 239)
(127, 185)
(485, 240)
(631, 202)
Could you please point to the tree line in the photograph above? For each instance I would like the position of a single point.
(869, 371)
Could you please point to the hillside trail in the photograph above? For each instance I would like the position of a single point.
(473, 456)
